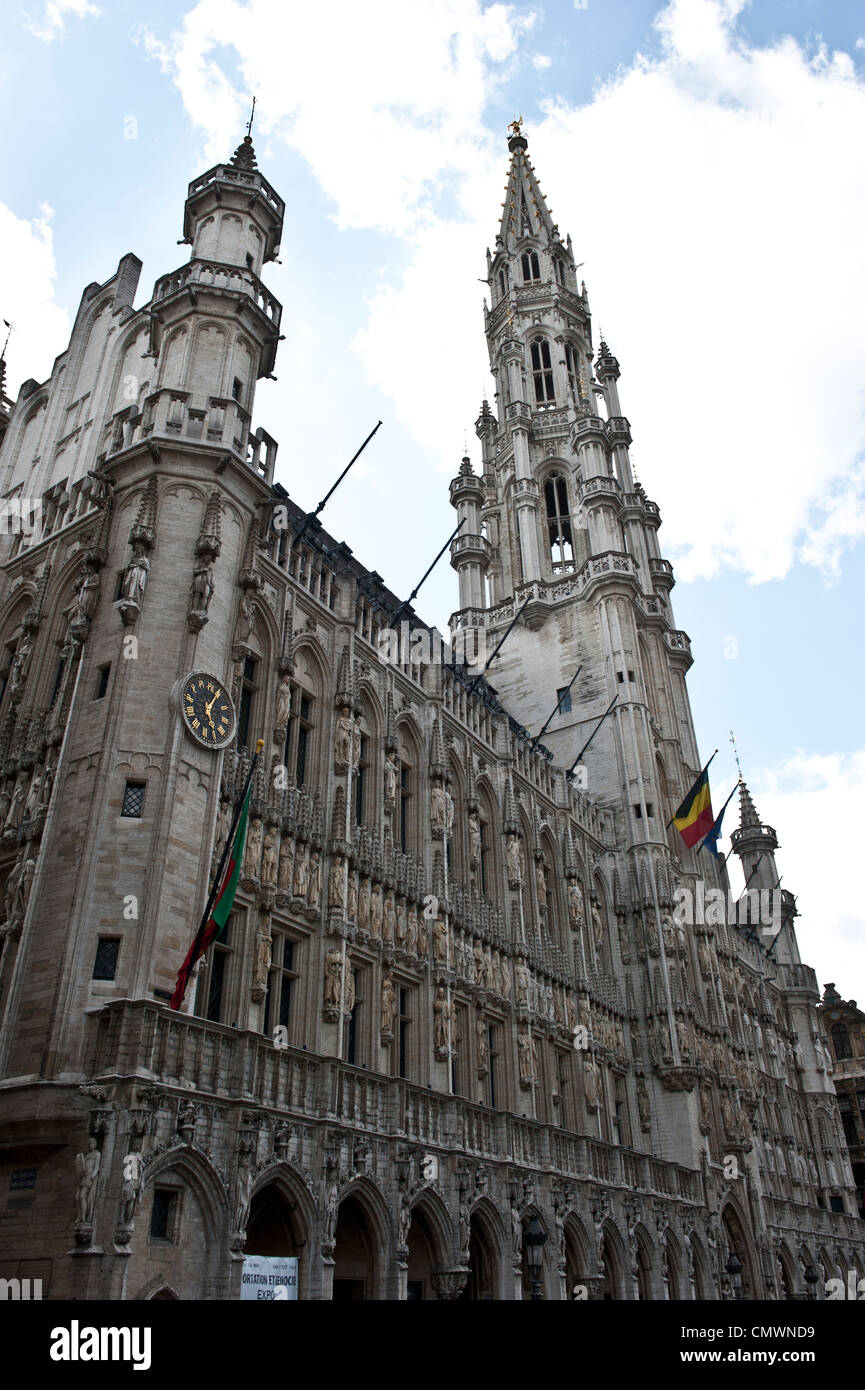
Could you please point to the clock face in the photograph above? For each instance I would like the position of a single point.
(207, 710)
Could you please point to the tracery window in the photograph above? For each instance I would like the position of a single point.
(531, 268)
(559, 532)
(542, 371)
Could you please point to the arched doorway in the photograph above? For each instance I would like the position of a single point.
(272, 1229)
(421, 1258)
(577, 1261)
(355, 1258)
(610, 1258)
(735, 1242)
(482, 1285)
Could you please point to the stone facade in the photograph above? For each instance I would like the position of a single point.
(845, 1024)
(460, 987)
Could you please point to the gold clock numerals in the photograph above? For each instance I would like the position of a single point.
(207, 710)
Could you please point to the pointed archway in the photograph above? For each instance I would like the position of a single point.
(484, 1280)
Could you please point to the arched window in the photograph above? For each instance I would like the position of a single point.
(560, 269)
(559, 535)
(531, 268)
(503, 281)
(542, 370)
(573, 367)
(841, 1041)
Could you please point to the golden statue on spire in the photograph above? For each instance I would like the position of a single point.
(516, 126)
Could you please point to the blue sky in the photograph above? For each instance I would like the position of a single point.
(705, 156)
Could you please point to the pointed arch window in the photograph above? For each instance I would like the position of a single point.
(559, 533)
(560, 269)
(542, 371)
(503, 281)
(531, 267)
(573, 368)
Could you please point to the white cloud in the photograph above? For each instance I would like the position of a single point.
(812, 801)
(27, 272)
(53, 20)
(541, 61)
(720, 227)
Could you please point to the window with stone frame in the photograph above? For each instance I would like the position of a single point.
(356, 1048)
(361, 782)
(403, 1043)
(542, 372)
(246, 706)
(530, 266)
(214, 990)
(298, 734)
(560, 538)
(281, 980)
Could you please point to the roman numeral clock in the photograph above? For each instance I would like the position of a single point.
(207, 710)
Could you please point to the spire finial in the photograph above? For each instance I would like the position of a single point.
(251, 119)
(516, 125)
(736, 753)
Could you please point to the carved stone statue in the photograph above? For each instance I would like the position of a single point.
(474, 838)
(252, 857)
(247, 618)
(400, 930)
(541, 884)
(438, 808)
(283, 702)
(13, 899)
(388, 930)
(516, 1234)
(483, 1040)
(404, 1220)
(131, 1186)
(332, 977)
(376, 910)
(21, 664)
(391, 775)
(331, 1212)
(348, 991)
(202, 588)
(411, 929)
(441, 1018)
(351, 905)
(597, 928)
(313, 896)
(222, 826)
(301, 872)
(521, 975)
(527, 1055)
(514, 856)
(363, 904)
(15, 814)
(135, 576)
(343, 737)
(285, 865)
(87, 1167)
(590, 1082)
(388, 1004)
(449, 811)
(336, 883)
(243, 1192)
(440, 941)
(422, 936)
(27, 876)
(264, 945)
(269, 859)
(643, 1105)
(480, 964)
(576, 909)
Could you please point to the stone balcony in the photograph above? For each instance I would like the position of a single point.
(143, 1041)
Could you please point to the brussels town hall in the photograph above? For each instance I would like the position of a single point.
(459, 1038)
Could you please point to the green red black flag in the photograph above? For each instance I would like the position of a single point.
(221, 897)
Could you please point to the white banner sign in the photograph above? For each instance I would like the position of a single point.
(269, 1278)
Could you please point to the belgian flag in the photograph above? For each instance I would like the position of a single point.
(695, 818)
(221, 897)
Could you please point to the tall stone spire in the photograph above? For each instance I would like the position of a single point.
(525, 211)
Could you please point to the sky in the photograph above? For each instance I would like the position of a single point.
(706, 158)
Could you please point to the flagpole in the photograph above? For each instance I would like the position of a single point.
(696, 780)
(217, 879)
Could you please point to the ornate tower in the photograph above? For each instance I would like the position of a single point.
(148, 546)
(565, 532)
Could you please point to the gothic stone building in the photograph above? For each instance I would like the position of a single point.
(845, 1024)
(456, 991)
